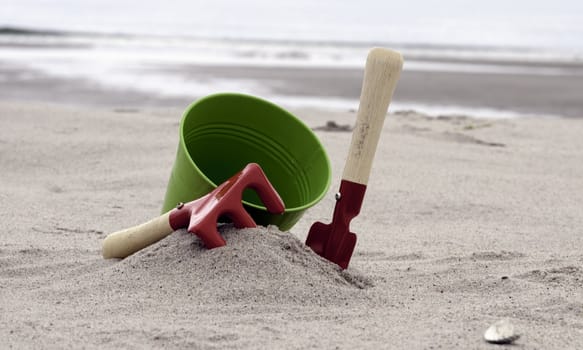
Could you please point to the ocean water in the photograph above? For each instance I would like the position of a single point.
(129, 44)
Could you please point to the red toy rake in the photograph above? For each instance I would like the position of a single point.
(334, 241)
(199, 216)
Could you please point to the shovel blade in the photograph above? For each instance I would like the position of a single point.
(318, 236)
(333, 245)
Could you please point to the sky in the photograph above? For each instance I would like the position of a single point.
(556, 23)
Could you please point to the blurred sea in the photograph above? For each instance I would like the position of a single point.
(126, 44)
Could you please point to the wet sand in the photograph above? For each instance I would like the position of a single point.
(537, 94)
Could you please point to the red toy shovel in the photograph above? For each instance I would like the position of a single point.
(334, 241)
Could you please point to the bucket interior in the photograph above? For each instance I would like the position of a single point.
(222, 135)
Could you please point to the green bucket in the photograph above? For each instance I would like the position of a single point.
(220, 134)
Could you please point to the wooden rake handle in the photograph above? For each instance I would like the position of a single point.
(381, 73)
(124, 243)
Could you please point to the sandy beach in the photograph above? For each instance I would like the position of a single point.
(465, 222)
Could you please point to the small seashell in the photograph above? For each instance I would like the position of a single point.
(501, 332)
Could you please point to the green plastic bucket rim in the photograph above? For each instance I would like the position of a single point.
(284, 111)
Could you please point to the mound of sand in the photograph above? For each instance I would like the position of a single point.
(259, 265)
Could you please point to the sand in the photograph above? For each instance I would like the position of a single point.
(465, 222)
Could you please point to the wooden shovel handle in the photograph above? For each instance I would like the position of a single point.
(123, 243)
(381, 73)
